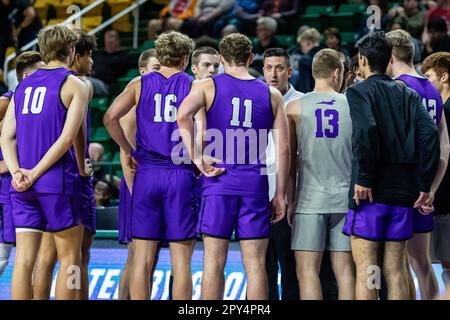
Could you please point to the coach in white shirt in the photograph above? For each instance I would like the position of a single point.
(277, 71)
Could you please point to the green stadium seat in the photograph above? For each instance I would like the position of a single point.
(119, 173)
(100, 135)
(351, 8)
(349, 17)
(286, 41)
(132, 73)
(148, 44)
(106, 156)
(348, 37)
(316, 16)
(116, 157)
(99, 103)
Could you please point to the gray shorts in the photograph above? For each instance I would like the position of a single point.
(319, 232)
(440, 238)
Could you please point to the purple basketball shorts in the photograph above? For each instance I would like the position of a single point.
(44, 211)
(124, 213)
(7, 230)
(163, 204)
(422, 223)
(88, 214)
(249, 217)
(380, 222)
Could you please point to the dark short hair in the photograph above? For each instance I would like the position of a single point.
(333, 32)
(437, 24)
(85, 43)
(145, 56)
(277, 52)
(195, 59)
(25, 60)
(377, 49)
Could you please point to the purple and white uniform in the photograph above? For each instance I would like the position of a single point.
(163, 205)
(52, 202)
(433, 103)
(7, 232)
(241, 115)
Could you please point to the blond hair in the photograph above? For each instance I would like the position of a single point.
(171, 46)
(402, 45)
(325, 62)
(236, 48)
(310, 35)
(55, 42)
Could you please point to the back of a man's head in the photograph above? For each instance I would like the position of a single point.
(55, 42)
(236, 49)
(377, 49)
(86, 43)
(325, 62)
(25, 62)
(172, 46)
(402, 45)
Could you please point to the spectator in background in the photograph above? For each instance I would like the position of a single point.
(171, 17)
(295, 52)
(266, 27)
(110, 64)
(5, 29)
(309, 43)
(96, 154)
(102, 194)
(439, 40)
(333, 40)
(242, 18)
(25, 22)
(409, 18)
(282, 10)
(206, 15)
(441, 9)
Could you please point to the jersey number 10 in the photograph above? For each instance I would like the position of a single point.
(37, 102)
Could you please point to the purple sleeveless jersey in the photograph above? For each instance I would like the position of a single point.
(241, 116)
(156, 116)
(430, 96)
(40, 118)
(5, 179)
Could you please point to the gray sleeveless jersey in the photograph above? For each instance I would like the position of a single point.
(324, 138)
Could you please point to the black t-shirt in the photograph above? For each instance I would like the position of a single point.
(442, 198)
(16, 17)
(443, 44)
(108, 67)
(5, 24)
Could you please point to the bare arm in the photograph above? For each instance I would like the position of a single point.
(281, 140)
(80, 141)
(292, 111)
(119, 108)
(4, 102)
(190, 106)
(8, 140)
